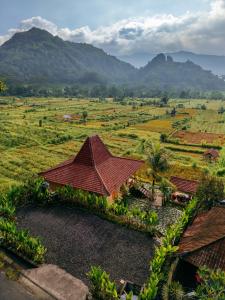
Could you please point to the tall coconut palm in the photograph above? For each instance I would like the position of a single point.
(158, 161)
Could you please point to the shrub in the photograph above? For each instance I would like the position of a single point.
(163, 137)
(21, 242)
(212, 284)
(221, 172)
(172, 291)
(34, 190)
(7, 209)
(167, 248)
(101, 286)
(210, 190)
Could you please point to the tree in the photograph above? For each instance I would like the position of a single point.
(164, 100)
(84, 116)
(212, 284)
(166, 189)
(158, 161)
(221, 110)
(163, 137)
(2, 86)
(173, 112)
(210, 190)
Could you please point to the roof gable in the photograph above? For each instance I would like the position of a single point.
(94, 169)
(207, 228)
(93, 152)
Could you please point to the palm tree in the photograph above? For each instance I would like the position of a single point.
(158, 161)
(166, 189)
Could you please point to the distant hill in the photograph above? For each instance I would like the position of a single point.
(36, 57)
(214, 63)
(163, 72)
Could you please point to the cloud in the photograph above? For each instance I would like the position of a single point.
(200, 32)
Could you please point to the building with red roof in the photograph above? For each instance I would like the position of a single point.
(211, 154)
(184, 185)
(94, 169)
(203, 244)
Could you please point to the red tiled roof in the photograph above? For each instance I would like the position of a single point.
(214, 153)
(203, 243)
(212, 256)
(93, 169)
(185, 185)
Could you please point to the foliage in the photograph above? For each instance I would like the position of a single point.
(166, 188)
(158, 160)
(164, 251)
(82, 198)
(7, 209)
(101, 286)
(20, 241)
(2, 86)
(210, 190)
(116, 212)
(172, 291)
(163, 137)
(212, 285)
(33, 191)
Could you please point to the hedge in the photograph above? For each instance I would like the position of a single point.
(167, 248)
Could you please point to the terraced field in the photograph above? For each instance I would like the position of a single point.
(36, 134)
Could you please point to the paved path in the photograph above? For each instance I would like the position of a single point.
(12, 290)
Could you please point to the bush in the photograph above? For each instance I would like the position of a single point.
(210, 190)
(167, 248)
(33, 191)
(101, 286)
(7, 209)
(212, 284)
(21, 242)
(221, 172)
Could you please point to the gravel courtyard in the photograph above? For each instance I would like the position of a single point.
(76, 240)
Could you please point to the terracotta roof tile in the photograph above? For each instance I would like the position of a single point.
(185, 185)
(94, 169)
(212, 256)
(214, 153)
(203, 242)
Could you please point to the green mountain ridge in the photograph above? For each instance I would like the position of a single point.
(165, 73)
(39, 58)
(36, 56)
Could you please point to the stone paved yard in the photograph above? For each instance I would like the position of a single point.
(76, 240)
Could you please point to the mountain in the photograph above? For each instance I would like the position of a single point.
(36, 56)
(163, 72)
(214, 63)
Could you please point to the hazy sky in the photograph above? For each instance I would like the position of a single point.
(123, 26)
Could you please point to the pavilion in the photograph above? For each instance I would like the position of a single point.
(94, 169)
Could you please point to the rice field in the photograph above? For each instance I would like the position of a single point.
(37, 133)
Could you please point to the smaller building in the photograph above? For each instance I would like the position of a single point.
(211, 154)
(202, 244)
(185, 188)
(94, 169)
